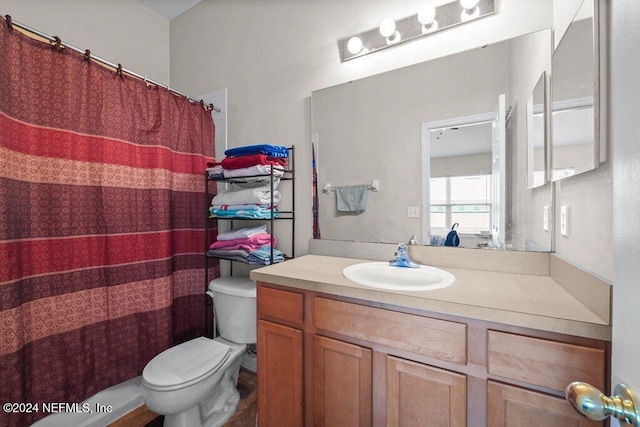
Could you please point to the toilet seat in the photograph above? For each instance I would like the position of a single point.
(185, 364)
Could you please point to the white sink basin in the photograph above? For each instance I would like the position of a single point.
(381, 275)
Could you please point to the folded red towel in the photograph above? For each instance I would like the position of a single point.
(251, 160)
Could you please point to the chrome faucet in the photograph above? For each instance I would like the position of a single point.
(412, 240)
(402, 258)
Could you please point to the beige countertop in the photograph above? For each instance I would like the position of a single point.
(524, 300)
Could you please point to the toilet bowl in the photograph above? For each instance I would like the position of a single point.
(194, 383)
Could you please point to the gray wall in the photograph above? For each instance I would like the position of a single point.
(122, 31)
(589, 196)
(272, 54)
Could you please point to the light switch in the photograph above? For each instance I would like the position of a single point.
(564, 221)
(413, 212)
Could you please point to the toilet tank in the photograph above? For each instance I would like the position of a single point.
(234, 302)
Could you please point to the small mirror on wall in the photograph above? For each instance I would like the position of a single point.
(575, 97)
(536, 135)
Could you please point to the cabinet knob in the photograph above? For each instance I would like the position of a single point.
(592, 404)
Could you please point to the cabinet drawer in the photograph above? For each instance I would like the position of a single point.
(281, 305)
(518, 407)
(439, 339)
(544, 363)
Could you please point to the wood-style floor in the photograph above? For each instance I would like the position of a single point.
(245, 415)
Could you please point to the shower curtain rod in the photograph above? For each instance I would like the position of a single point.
(11, 23)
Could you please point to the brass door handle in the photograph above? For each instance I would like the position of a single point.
(592, 404)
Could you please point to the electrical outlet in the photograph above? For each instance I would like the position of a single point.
(413, 212)
(564, 221)
(545, 219)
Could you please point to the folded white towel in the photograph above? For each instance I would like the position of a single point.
(242, 233)
(253, 171)
(259, 195)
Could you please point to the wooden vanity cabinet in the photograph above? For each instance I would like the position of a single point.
(540, 363)
(280, 363)
(326, 361)
(342, 383)
(409, 393)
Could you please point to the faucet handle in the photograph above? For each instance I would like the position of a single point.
(412, 240)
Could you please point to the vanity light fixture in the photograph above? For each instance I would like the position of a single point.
(428, 20)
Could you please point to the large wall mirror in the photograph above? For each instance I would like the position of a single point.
(575, 95)
(373, 129)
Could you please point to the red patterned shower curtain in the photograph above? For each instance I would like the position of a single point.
(101, 223)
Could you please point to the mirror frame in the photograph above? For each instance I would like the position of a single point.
(599, 94)
(542, 80)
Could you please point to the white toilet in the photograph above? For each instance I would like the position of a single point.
(194, 383)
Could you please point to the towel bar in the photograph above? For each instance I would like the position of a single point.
(374, 186)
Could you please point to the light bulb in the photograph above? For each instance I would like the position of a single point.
(354, 45)
(469, 4)
(387, 27)
(469, 15)
(426, 15)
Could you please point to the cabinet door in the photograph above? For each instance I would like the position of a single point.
(342, 391)
(420, 395)
(519, 407)
(279, 375)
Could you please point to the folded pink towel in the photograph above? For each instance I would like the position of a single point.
(249, 247)
(256, 239)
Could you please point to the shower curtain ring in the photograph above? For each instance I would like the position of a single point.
(119, 70)
(9, 22)
(56, 43)
(87, 55)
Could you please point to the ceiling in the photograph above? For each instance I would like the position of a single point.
(169, 8)
(461, 140)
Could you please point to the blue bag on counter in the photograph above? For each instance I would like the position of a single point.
(452, 238)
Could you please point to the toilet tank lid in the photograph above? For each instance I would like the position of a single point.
(185, 363)
(237, 286)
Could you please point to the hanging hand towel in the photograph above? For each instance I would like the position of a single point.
(351, 199)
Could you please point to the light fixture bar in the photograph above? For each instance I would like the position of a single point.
(447, 16)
